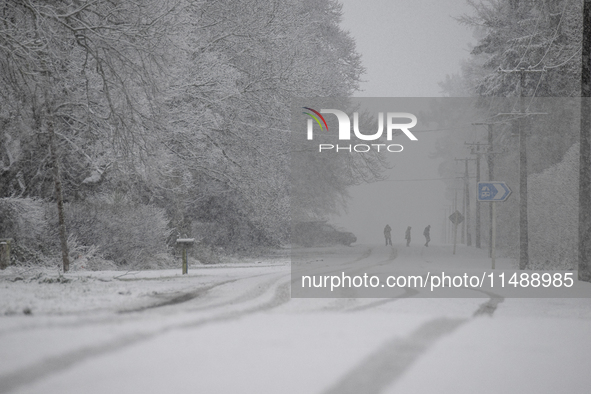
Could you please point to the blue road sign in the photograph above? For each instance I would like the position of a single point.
(493, 191)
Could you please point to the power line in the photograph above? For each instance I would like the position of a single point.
(416, 180)
(555, 34)
(577, 52)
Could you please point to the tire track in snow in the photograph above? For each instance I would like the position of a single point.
(85, 320)
(56, 364)
(190, 295)
(250, 295)
(130, 313)
(179, 299)
(326, 269)
(408, 293)
(344, 303)
(489, 307)
(383, 367)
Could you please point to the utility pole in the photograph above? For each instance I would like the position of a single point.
(463, 229)
(444, 225)
(455, 221)
(467, 199)
(523, 222)
(466, 204)
(450, 225)
(477, 153)
(463, 241)
(491, 165)
(584, 266)
(477, 202)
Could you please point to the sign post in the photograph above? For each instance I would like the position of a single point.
(494, 233)
(5, 252)
(493, 192)
(185, 243)
(456, 218)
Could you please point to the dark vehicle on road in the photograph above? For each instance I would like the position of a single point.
(316, 233)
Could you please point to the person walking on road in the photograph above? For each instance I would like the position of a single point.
(407, 236)
(387, 235)
(427, 236)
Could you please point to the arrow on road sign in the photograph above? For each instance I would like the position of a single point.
(493, 191)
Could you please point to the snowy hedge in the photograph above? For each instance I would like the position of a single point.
(553, 214)
(23, 219)
(123, 231)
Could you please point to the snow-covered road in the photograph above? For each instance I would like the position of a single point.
(235, 329)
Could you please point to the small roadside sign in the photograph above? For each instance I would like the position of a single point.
(493, 191)
(456, 217)
(185, 243)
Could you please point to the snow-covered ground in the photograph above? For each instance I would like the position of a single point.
(234, 328)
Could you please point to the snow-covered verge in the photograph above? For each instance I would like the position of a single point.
(28, 290)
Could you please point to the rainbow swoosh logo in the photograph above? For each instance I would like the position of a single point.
(316, 117)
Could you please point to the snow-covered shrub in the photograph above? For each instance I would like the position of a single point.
(206, 254)
(553, 214)
(123, 231)
(87, 258)
(23, 219)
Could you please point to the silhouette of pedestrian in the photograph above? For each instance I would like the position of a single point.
(427, 236)
(407, 236)
(387, 235)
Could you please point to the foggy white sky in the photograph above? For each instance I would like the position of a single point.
(407, 47)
